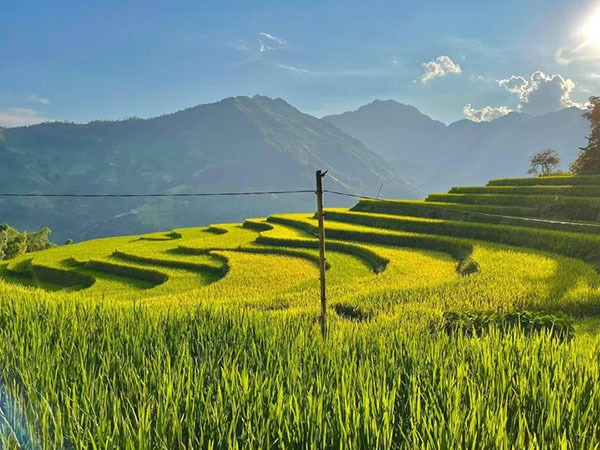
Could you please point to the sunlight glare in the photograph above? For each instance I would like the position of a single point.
(592, 29)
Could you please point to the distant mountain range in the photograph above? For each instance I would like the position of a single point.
(436, 157)
(237, 144)
(249, 144)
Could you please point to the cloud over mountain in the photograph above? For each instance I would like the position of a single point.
(541, 93)
(15, 117)
(485, 114)
(439, 67)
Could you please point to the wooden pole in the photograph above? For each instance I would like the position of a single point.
(320, 216)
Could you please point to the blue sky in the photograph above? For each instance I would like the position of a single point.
(79, 61)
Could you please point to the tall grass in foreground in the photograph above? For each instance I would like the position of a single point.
(75, 376)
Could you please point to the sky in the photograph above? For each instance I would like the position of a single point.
(80, 61)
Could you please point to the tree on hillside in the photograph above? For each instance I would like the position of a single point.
(13, 243)
(588, 161)
(544, 163)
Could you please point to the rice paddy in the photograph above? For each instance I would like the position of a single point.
(208, 337)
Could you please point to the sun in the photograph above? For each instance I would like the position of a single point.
(592, 29)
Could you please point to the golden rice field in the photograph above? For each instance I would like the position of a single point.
(447, 331)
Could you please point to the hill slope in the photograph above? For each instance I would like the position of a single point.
(438, 156)
(197, 328)
(236, 144)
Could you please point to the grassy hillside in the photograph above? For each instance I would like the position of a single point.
(453, 324)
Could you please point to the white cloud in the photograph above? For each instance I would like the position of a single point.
(541, 93)
(16, 117)
(359, 73)
(274, 38)
(37, 99)
(514, 84)
(485, 114)
(270, 42)
(242, 45)
(439, 67)
(293, 69)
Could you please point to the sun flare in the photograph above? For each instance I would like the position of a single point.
(592, 29)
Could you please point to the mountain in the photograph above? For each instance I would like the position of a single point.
(436, 156)
(237, 144)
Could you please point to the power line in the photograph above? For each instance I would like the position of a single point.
(501, 216)
(284, 192)
(192, 194)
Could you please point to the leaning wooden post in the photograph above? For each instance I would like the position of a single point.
(320, 216)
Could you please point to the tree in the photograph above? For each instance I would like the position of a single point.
(588, 161)
(3, 241)
(544, 163)
(38, 240)
(13, 243)
(16, 246)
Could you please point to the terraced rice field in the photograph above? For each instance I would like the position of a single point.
(225, 318)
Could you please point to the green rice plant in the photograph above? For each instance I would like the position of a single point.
(575, 245)
(151, 276)
(527, 201)
(442, 334)
(570, 191)
(473, 323)
(80, 376)
(539, 281)
(436, 210)
(468, 213)
(569, 208)
(454, 248)
(559, 180)
(213, 267)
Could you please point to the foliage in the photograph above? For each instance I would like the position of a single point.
(588, 161)
(544, 163)
(13, 243)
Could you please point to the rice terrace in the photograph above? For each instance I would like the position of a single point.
(300, 225)
(443, 322)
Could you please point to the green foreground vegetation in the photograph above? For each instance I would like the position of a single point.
(448, 329)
